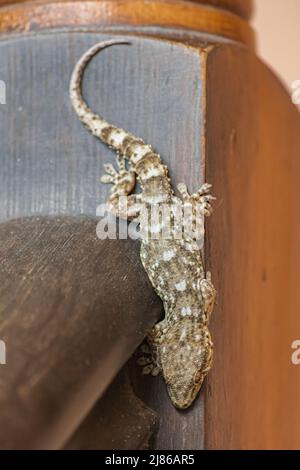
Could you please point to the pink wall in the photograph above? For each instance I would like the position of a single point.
(278, 33)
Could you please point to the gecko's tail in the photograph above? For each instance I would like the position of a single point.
(145, 162)
(115, 137)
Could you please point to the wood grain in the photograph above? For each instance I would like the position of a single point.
(50, 163)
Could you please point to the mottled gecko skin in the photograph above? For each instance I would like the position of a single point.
(181, 343)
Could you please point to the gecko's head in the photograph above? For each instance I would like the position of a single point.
(186, 357)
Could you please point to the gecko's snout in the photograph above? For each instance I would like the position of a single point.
(185, 364)
(185, 390)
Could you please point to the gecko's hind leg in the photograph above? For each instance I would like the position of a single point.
(121, 202)
(123, 180)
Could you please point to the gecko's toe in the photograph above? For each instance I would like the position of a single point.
(107, 179)
(182, 188)
(155, 371)
(143, 361)
(147, 370)
(145, 348)
(110, 169)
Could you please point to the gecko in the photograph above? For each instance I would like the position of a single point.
(181, 345)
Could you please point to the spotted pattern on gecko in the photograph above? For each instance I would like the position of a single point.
(181, 345)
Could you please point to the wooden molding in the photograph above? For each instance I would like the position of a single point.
(107, 13)
(242, 8)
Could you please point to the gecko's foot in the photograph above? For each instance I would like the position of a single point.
(123, 180)
(121, 202)
(201, 197)
(148, 362)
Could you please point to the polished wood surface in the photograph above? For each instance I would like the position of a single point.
(164, 14)
(242, 8)
(252, 160)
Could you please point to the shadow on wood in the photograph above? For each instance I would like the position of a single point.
(119, 421)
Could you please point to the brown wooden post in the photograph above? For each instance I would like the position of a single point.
(214, 112)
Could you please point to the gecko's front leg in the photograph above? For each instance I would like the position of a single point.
(151, 362)
(121, 202)
(201, 197)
